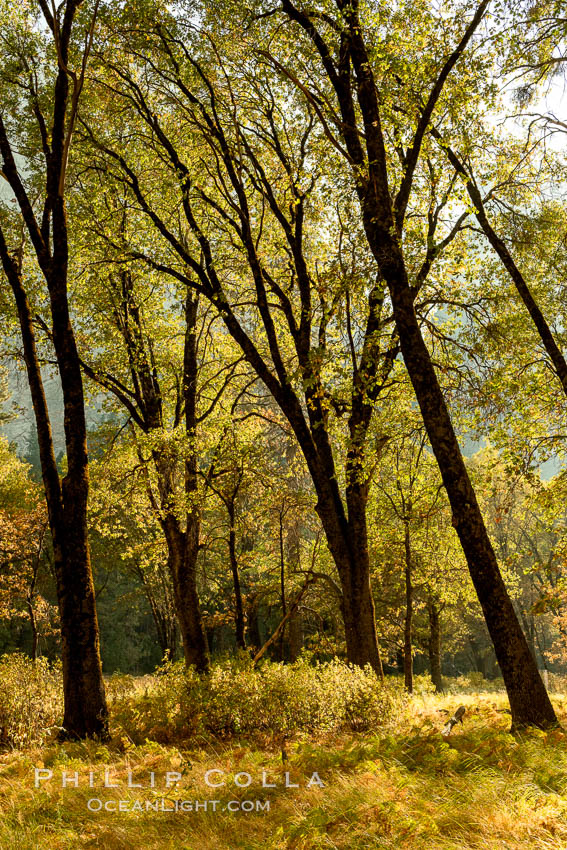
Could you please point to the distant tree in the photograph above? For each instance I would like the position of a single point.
(23, 541)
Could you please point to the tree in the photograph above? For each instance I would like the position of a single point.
(38, 111)
(411, 501)
(23, 532)
(141, 395)
(267, 170)
(126, 535)
(345, 56)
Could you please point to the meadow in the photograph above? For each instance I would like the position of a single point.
(391, 778)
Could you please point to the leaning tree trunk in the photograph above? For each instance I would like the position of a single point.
(383, 226)
(408, 620)
(529, 701)
(434, 644)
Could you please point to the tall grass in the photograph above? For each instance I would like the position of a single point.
(391, 779)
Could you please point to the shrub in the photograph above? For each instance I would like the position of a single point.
(31, 699)
(422, 684)
(473, 682)
(118, 685)
(164, 711)
(277, 699)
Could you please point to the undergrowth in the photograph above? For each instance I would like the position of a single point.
(236, 699)
(390, 778)
(400, 785)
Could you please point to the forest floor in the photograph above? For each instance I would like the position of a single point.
(404, 786)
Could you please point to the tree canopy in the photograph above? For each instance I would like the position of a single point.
(299, 258)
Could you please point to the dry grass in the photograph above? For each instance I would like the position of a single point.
(403, 786)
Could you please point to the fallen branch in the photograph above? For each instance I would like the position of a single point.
(292, 609)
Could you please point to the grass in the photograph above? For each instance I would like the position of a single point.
(401, 786)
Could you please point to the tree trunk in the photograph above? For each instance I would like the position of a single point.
(295, 636)
(434, 644)
(194, 637)
(31, 594)
(295, 626)
(33, 625)
(254, 636)
(83, 686)
(282, 585)
(348, 544)
(529, 700)
(239, 608)
(195, 649)
(408, 649)
(182, 561)
(359, 618)
(85, 709)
